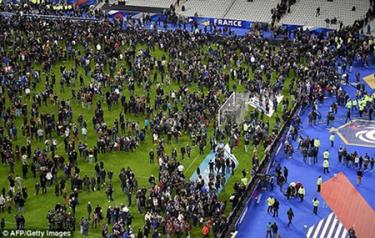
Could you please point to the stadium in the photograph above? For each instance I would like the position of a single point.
(187, 118)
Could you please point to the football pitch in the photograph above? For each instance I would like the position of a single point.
(37, 206)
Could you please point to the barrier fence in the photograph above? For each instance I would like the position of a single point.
(51, 17)
(267, 160)
(238, 211)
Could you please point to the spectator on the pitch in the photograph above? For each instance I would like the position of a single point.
(269, 230)
(270, 203)
(359, 176)
(301, 193)
(290, 215)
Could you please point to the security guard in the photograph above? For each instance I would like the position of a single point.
(326, 155)
(325, 166)
(316, 143)
(316, 150)
(349, 104)
(332, 139)
(301, 193)
(316, 205)
(270, 203)
(244, 180)
(319, 183)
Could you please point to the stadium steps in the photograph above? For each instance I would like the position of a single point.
(303, 12)
(151, 3)
(372, 25)
(257, 11)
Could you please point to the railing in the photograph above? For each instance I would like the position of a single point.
(228, 9)
(236, 213)
(52, 17)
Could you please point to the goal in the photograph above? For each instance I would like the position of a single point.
(233, 109)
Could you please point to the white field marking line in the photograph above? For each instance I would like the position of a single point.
(136, 176)
(191, 164)
(278, 149)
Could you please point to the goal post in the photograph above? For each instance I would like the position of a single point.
(233, 110)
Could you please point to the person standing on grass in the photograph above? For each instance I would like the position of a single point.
(247, 140)
(188, 151)
(84, 132)
(315, 205)
(2, 224)
(109, 192)
(319, 183)
(89, 210)
(37, 188)
(206, 230)
(183, 152)
(105, 231)
(290, 214)
(152, 156)
(2, 203)
(129, 198)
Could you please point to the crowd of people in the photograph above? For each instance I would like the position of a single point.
(51, 9)
(281, 9)
(109, 69)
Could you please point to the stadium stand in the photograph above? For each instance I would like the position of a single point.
(153, 3)
(372, 28)
(301, 13)
(236, 119)
(304, 13)
(207, 8)
(259, 11)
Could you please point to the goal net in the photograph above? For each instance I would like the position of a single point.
(233, 109)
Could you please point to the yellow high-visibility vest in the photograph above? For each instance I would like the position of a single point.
(270, 201)
(349, 104)
(316, 143)
(244, 181)
(367, 98)
(245, 127)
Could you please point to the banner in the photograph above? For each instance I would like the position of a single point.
(221, 22)
(229, 22)
(120, 14)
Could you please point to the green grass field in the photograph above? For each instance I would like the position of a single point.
(37, 206)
